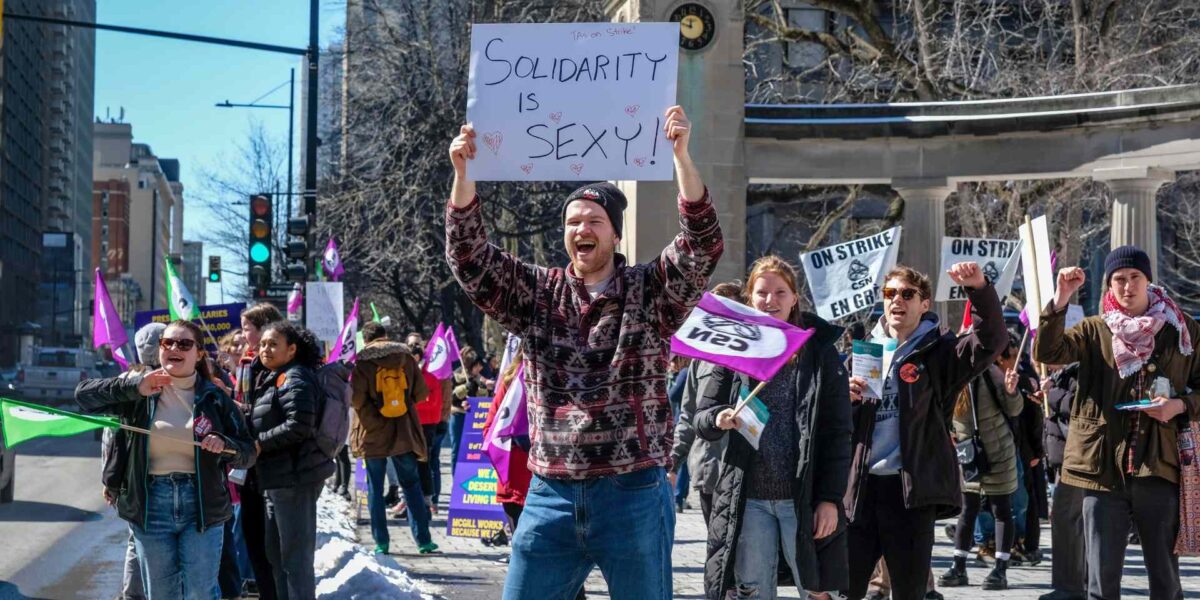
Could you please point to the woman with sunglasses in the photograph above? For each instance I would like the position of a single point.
(173, 493)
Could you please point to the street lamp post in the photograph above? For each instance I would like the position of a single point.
(291, 108)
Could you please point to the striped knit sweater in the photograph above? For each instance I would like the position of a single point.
(595, 369)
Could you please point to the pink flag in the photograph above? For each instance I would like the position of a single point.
(331, 261)
(512, 421)
(295, 302)
(733, 335)
(346, 350)
(437, 355)
(106, 323)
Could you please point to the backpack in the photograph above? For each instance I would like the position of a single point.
(333, 429)
(392, 384)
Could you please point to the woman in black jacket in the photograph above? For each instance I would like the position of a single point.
(291, 468)
(173, 490)
(787, 494)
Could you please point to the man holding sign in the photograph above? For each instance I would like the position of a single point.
(596, 338)
(905, 475)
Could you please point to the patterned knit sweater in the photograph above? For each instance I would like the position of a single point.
(595, 369)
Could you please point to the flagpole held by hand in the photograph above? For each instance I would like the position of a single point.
(744, 401)
(229, 451)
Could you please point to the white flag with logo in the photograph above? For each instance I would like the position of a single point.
(999, 260)
(845, 278)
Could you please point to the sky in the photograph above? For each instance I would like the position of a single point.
(168, 88)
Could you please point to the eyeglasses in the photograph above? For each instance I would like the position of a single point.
(906, 293)
(170, 344)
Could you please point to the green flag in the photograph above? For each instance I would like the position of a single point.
(23, 421)
(179, 299)
(374, 313)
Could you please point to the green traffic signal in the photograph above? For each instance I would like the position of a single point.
(214, 277)
(259, 252)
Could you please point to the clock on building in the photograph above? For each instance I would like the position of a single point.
(696, 25)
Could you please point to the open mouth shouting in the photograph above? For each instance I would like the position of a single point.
(585, 248)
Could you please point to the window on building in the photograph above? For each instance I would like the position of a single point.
(806, 55)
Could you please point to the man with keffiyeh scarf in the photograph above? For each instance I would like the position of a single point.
(1141, 348)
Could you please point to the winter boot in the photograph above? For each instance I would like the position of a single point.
(957, 575)
(998, 578)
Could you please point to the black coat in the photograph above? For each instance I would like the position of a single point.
(285, 416)
(938, 368)
(823, 465)
(1059, 395)
(118, 396)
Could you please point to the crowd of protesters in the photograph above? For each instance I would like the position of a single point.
(837, 497)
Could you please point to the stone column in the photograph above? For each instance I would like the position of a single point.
(923, 227)
(1135, 211)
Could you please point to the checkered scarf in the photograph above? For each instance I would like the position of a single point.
(1133, 337)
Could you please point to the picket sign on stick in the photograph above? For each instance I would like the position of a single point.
(1036, 285)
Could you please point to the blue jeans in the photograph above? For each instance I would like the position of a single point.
(681, 485)
(456, 432)
(410, 482)
(433, 448)
(625, 524)
(1020, 500)
(765, 525)
(177, 560)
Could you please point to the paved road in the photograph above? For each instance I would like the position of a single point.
(59, 539)
(467, 570)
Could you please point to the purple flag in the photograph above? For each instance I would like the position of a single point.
(438, 361)
(452, 345)
(295, 302)
(724, 332)
(331, 261)
(511, 421)
(346, 350)
(106, 323)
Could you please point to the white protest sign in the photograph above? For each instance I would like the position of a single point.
(845, 278)
(1035, 267)
(997, 258)
(571, 101)
(323, 306)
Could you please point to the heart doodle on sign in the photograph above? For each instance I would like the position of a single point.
(493, 140)
(632, 109)
(577, 168)
(641, 162)
(556, 116)
(528, 168)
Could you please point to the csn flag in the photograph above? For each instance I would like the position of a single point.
(441, 352)
(723, 332)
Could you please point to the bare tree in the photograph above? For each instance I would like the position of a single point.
(404, 100)
(929, 50)
(258, 166)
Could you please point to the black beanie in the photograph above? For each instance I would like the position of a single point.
(607, 195)
(1127, 257)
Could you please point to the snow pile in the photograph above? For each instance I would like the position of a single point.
(347, 571)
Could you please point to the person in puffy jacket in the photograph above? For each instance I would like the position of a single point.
(292, 468)
(173, 489)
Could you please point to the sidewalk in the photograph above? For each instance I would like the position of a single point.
(465, 569)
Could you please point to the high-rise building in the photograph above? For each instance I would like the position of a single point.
(155, 206)
(193, 270)
(46, 100)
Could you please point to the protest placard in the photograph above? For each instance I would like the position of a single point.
(571, 101)
(997, 258)
(866, 361)
(220, 318)
(845, 278)
(323, 307)
(474, 511)
(1036, 269)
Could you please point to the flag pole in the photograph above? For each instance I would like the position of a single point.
(743, 402)
(149, 433)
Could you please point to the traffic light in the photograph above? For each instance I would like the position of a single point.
(297, 250)
(214, 269)
(260, 241)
